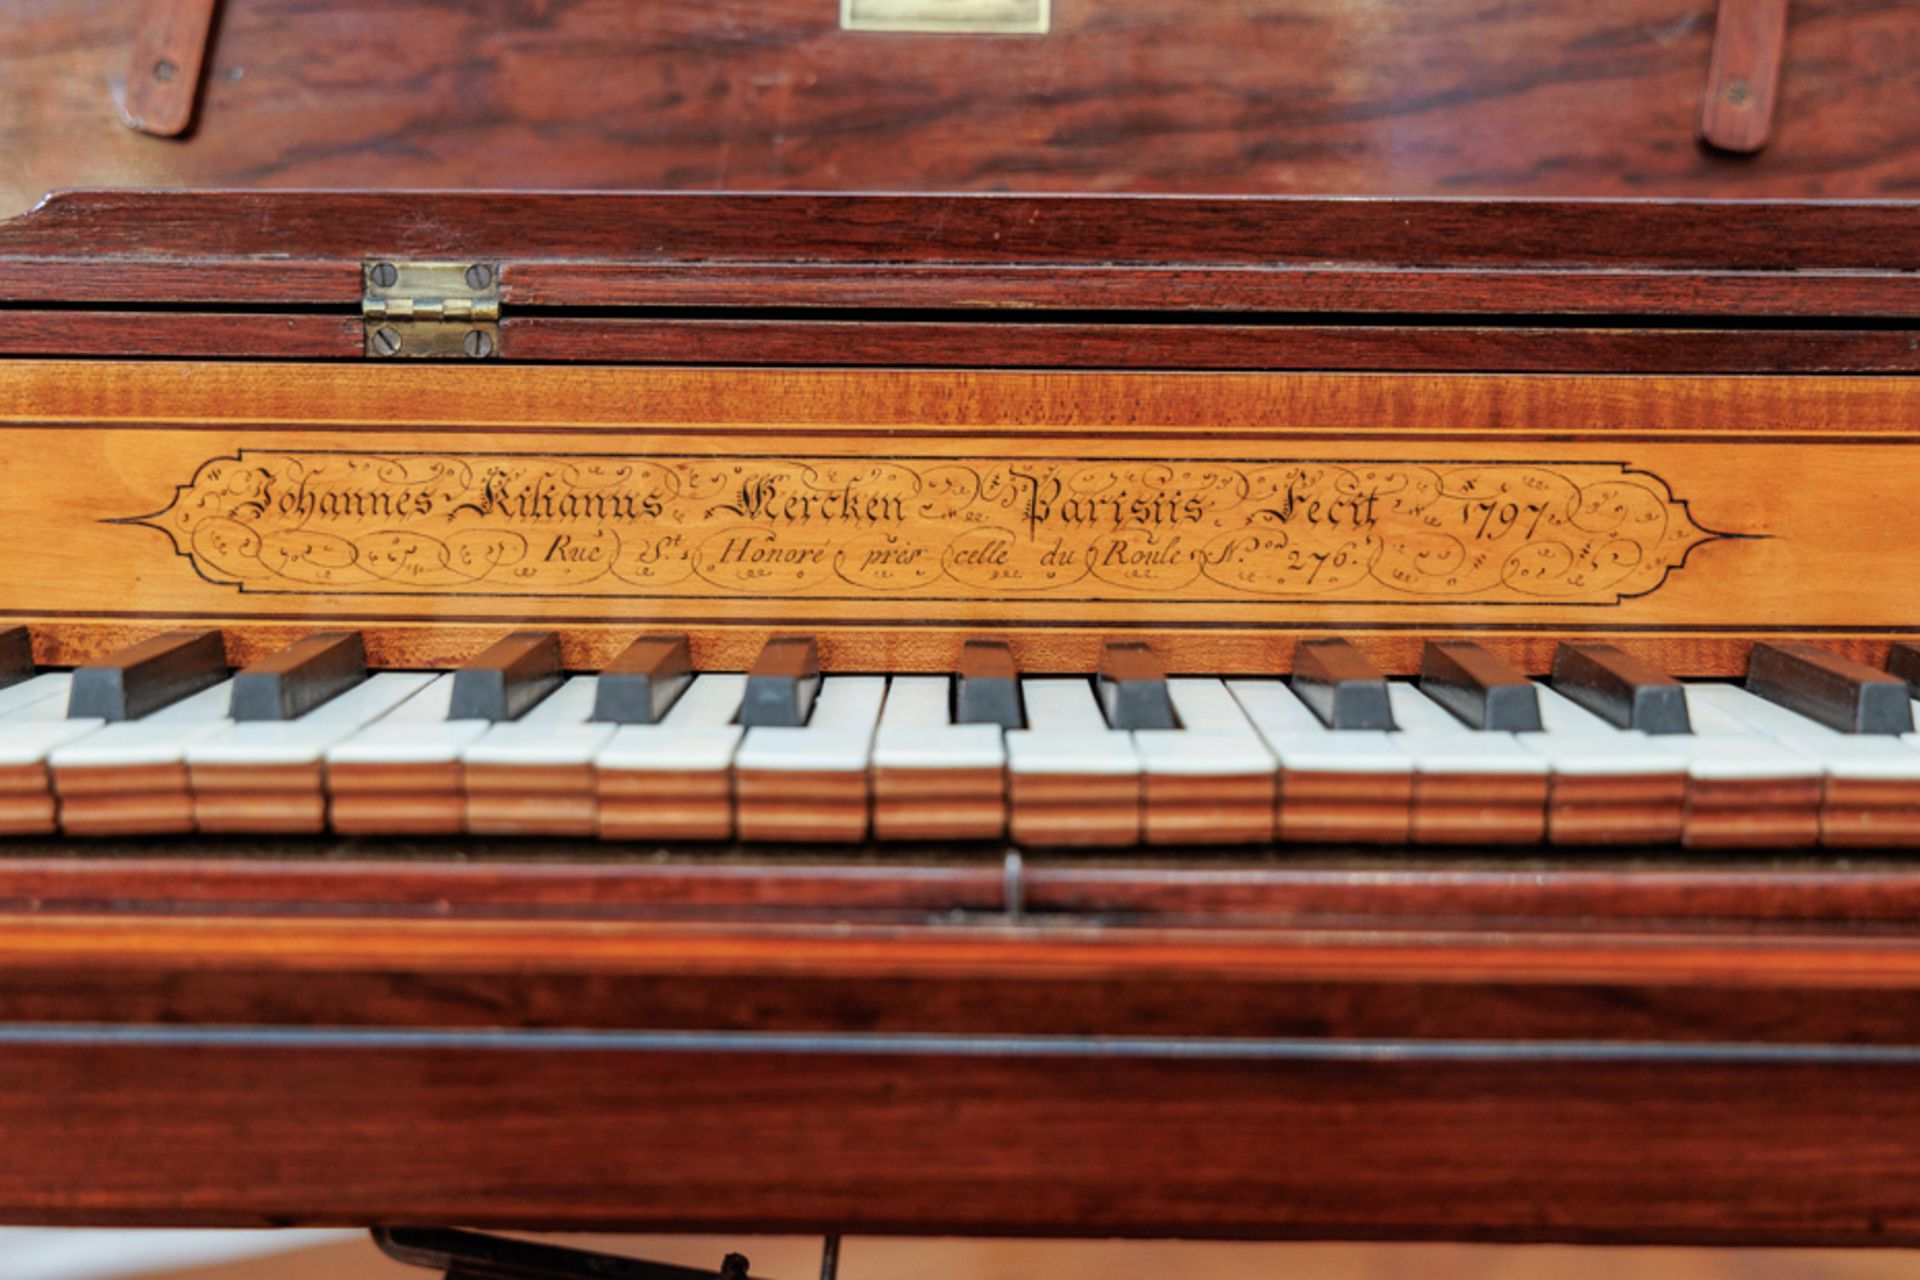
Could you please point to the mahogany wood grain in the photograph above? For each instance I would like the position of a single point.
(1404, 96)
(1767, 1150)
(575, 878)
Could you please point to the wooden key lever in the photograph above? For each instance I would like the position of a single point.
(471, 1255)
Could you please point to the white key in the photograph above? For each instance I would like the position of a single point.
(1575, 742)
(558, 731)
(306, 738)
(1215, 738)
(837, 737)
(1067, 733)
(1303, 743)
(415, 732)
(33, 727)
(1863, 756)
(1437, 742)
(698, 733)
(917, 730)
(162, 737)
(51, 684)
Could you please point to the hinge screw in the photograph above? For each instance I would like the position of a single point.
(479, 276)
(386, 340)
(479, 344)
(384, 274)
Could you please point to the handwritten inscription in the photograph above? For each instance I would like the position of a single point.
(956, 529)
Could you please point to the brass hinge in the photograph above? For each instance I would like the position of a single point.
(430, 310)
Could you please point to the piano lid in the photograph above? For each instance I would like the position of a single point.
(1004, 281)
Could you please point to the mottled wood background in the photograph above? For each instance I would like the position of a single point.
(1542, 97)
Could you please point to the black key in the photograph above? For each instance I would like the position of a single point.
(145, 677)
(782, 684)
(986, 686)
(302, 676)
(1838, 692)
(1482, 691)
(1620, 689)
(1903, 662)
(1340, 686)
(640, 685)
(1132, 686)
(16, 656)
(509, 679)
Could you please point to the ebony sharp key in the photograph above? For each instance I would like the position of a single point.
(507, 680)
(302, 676)
(1621, 689)
(646, 679)
(782, 684)
(1482, 691)
(148, 676)
(1340, 686)
(986, 685)
(1835, 691)
(16, 656)
(1132, 685)
(1903, 663)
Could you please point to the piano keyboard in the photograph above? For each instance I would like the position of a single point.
(1812, 749)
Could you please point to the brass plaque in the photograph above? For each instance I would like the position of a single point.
(976, 17)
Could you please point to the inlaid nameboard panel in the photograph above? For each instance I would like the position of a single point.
(894, 514)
